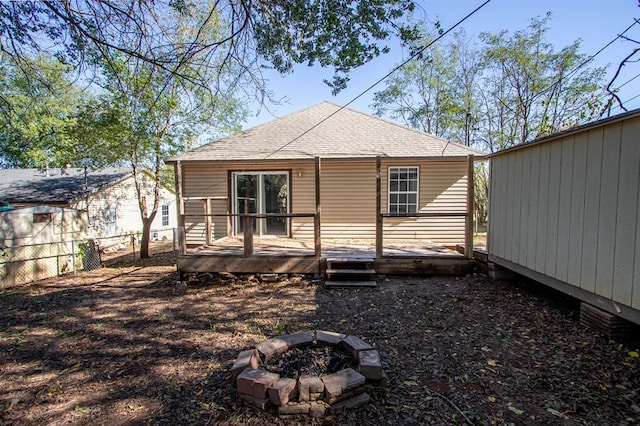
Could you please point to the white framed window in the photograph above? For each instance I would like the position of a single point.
(403, 189)
(165, 215)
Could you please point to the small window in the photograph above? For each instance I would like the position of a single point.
(403, 190)
(165, 215)
(42, 217)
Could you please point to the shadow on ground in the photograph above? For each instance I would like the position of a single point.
(126, 345)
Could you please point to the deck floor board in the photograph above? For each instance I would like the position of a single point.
(349, 249)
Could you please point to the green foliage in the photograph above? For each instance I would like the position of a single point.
(146, 114)
(38, 104)
(514, 88)
(533, 89)
(333, 33)
(336, 33)
(430, 92)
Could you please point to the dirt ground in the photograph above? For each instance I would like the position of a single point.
(125, 345)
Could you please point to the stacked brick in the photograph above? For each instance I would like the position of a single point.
(309, 395)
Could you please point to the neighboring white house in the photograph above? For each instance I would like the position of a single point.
(108, 197)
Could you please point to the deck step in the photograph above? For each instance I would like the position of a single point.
(350, 259)
(350, 284)
(351, 271)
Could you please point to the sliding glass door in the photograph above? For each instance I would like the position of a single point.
(262, 192)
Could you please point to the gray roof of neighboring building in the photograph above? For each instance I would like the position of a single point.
(34, 186)
(326, 130)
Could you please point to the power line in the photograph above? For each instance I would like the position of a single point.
(627, 82)
(396, 68)
(575, 69)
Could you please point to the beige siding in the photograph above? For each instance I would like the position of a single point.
(348, 191)
(568, 208)
(348, 199)
(204, 181)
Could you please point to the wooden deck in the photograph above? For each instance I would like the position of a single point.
(287, 255)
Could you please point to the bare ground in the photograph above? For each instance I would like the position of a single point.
(124, 345)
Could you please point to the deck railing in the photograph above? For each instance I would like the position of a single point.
(248, 220)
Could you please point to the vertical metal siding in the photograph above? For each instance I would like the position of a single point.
(551, 237)
(565, 195)
(534, 182)
(577, 212)
(627, 250)
(568, 208)
(608, 207)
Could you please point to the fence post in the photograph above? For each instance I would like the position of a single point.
(133, 246)
(73, 256)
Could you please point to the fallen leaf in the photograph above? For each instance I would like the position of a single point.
(83, 410)
(492, 362)
(555, 412)
(491, 398)
(634, 354)
(515, 411)
(603, 387)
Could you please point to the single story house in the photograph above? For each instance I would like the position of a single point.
(325, 172)
(564, 210)
(106, 195)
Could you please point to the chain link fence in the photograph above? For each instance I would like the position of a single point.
(27, 263)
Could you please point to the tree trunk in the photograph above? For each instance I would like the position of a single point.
(146, 234)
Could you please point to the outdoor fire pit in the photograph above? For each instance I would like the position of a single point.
(307, 373)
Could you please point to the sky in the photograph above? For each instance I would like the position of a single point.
(594, 22)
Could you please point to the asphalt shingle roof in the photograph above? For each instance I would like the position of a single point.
(33, 186)
(314, 131)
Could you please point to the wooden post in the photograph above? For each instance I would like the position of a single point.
(182, 237)
(230, 229)
(317, 236)
(468, 228)
(207, 220)
(247, 228)
(378, 208)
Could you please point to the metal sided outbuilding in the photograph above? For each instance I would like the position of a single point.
(564, 211)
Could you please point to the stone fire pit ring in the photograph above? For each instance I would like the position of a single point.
(308, 395)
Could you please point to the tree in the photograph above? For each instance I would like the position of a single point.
(146, 114)
(333, 33)
(38, 104)
(420, 94)
(531, 90)
(436, 92)
(512, 89)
